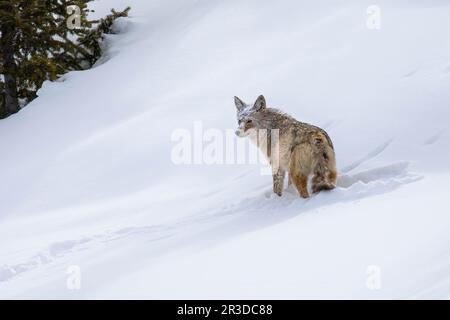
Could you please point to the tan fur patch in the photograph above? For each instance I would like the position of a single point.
(301, 182)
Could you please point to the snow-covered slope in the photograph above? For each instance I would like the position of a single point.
(88, 179)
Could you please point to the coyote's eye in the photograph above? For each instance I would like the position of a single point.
(249, 121)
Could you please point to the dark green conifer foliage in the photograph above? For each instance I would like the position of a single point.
(38, 44)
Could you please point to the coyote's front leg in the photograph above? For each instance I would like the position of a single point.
(278, 182)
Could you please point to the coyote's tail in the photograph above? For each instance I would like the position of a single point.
(324, 174)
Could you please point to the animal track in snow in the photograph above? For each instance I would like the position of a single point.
(59, 249)
(396, 170)
(254, 212)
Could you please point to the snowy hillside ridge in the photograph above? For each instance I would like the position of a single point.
(96, 204)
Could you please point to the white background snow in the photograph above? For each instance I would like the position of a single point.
(87, 178)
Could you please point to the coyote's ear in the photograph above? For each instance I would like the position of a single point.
(239, 103)
(260, 103)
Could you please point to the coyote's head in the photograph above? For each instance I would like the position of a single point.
(247, 115)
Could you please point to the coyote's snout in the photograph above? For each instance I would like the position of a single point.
(303, 150)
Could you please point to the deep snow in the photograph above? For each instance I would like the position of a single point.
(88, 179)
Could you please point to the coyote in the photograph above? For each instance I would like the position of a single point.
(303, 150)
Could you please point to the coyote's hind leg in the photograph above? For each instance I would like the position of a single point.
(301, 183)
(300, 168)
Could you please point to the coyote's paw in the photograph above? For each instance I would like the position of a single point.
(278, 193)
(304, 194)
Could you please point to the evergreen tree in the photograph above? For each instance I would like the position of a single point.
(43, 39)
